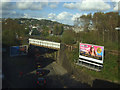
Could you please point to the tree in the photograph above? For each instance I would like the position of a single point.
(10, 30)
(105, 23)
(55, 30)
(58, 29)
(35, 32)
(84, 21)
(68, 37)
(45, 31)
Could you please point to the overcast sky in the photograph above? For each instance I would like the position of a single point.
(65, 12)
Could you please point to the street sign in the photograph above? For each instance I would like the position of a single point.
(18, 50)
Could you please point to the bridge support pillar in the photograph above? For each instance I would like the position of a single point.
(55, 55)
(58, 56)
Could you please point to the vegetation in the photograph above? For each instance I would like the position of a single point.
(58, 29)
(104, 34)
(12, 31)
(99, 29)
(68, 37)
(45, 31)
(54, 38)
(110, 71)
(35, 32)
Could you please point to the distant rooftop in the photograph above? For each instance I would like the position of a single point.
(117, 28)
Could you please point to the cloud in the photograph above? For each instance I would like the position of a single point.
(26, 15)
(44, 0)
(7, 9)
(117, 6)
(6, 0)
(31, 0)
(52, 16)
(0, 13)
(31, 5)
(6, 12)
(53, 6)
(11, 14)
(94, 5)
(8, 6)
(70, 5)
(64, 16)
(87, 5)
(24, 5)
(115, 0)
(75, 16)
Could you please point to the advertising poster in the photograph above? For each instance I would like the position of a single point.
(18, 50)
(92, 52)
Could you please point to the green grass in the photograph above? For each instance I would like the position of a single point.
(111, 46)
(109, 71)
(110, 66)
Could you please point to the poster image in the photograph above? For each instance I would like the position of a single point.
(92, 51)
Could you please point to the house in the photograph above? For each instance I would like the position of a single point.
(117, 28)
(34, 27)
(78, 29)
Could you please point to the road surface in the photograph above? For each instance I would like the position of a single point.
(57, 77)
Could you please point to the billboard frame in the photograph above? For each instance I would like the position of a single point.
(88, 63)
(18, 54)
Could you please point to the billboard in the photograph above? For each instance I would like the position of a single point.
(91, 52)
(18, 50)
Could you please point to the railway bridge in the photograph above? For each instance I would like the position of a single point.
(46, 47)
(44, 43)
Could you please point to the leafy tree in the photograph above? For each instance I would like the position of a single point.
(84, 21)
(45, 31)
(104, 23)
(10, 30)
(68, 37)
(61, 29)
(58, 29)
(35, 32)
(55, 31)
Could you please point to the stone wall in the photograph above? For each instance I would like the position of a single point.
(71, 67)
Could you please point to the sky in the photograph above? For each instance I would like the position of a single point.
(63, 11)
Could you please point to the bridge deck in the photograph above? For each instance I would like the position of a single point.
(45, 46)
(43, 43)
